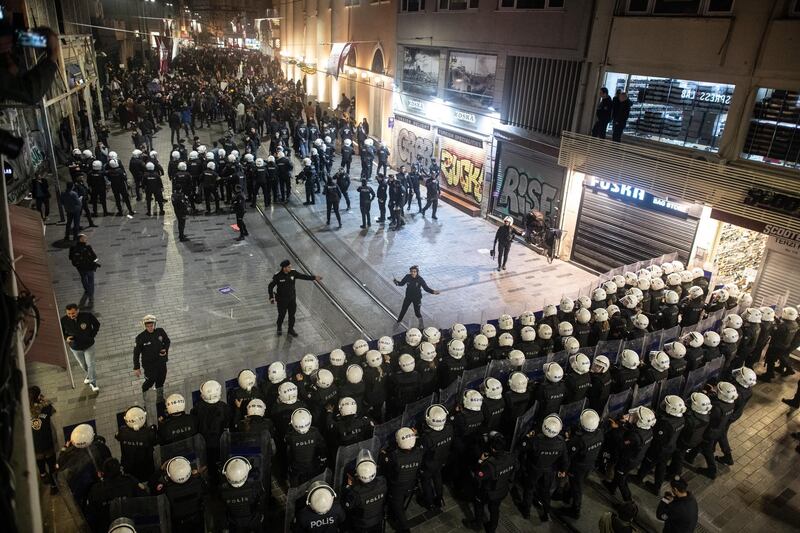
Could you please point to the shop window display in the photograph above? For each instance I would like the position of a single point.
(774, 134)
(470, 78)
(738, 254)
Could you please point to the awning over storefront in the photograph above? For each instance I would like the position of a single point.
(30, 254)
(337, 58)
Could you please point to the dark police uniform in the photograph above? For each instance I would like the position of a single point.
(365, 197)
(176, 427)
(364, 504)
(306, 455)
(436, 446)
(147, 349)
(243, 506)
(308, 521)
(282, 290)
(495, 476)
(414, 288)
(401, 468)
(136, 447)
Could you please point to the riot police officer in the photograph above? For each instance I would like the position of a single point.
(665, 439)
(722, 408)
(383, 158)
(577, 380)
(694, 426)
(185, 491)
(626, 374)
(119, 186)
(636, 439)
(551, 393)
(543, 455)
(656, 371)
(322, 395)
(452, 364)
(285, 168)
(493, 404)
(321, 513)
(153, 188)
(403, 387)
(180, 205)
(494, 474)
(178, 424)
(584, 446)
(212, 417)
(601, 380)
(436, 440)
(365, 497)
(112, 484)
(743, 379)
(348, 427)
(400, 465)
(306, 451)
(209, 178)
(136, 443)
(347, 154)
(381, 194)
(365, 197)
(151, 352)
(242, 496)
(333, 196)
(342, 180)
(433, 190)
(517, 397)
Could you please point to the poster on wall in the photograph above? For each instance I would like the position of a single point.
(413, 142)
(421, 70)
(470, 78)
(523, 181)
(462, 159)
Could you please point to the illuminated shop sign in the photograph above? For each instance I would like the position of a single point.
(439, 112)
(638, 197)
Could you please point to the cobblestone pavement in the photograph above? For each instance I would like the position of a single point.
(146, 270)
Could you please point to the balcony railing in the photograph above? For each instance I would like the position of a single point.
(677, 176)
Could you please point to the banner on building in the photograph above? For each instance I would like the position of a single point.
(525, 180)
(413, 142)
(462, 159)
(337, 58)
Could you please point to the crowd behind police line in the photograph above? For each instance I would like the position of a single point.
(250, 93)
(337, 400)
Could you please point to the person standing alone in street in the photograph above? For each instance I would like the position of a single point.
(281, 291)
(502, 241)
(603, 114)
(80, 329)
(365, 197)
(415, 284)
(678, 508)
(83, 258)
(151, 352)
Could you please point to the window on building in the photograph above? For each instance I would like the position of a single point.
(470, 78)
(351, 3)
(679, 7)
(412, 6)
(794, 8)
(680, 112)
(421, 70)
(457, 5)
(531, 4)
(774, 134)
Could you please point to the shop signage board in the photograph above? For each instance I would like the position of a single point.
(446, 113)
(783, 240)
(462, 159)
(638, 197)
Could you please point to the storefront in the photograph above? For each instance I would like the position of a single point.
(618, 224)
(778, 282)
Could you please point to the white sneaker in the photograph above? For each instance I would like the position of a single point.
(86, 381)
(94, 387)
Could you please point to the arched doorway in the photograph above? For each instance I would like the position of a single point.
(376, 95)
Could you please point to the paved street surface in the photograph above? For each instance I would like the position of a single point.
(214, 335)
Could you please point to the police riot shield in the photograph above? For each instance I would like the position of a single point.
(148, 514)
(652, 342)
(610, 349)
(707, 324)
(717, 316)
(670, 386)
(500, 370)
(448, 396)
(713, 370)
(645, 395)
(296, 498)
(77, 473)
(637, 345)
(588, 351)
(524, 425)
(472, 379)
(670, 335)
(346, 458)
(570, 413)
(534, 369)
(255, 447)
(617, 404)
(385, 432)
(562, 358)
(218, 375)
(688, 329)
(192, 448)
(414, 412)
(695, 380)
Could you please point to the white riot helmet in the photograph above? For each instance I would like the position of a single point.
(259, 162)
(630, 278)
(354, 374)
(328, 139)
(348, 142)
(600, 315)
(413, 337)
(122, 525)
(697, 273)
(149, 166)
(256, 407)
(656, 284)
(629, 301)
(609, 287)
(97, 165)
(565, 329)
(366, 469)
(645, 417)
(280, 153)
(695, 292)
(324, 378)
(583, 315)
(701, 404)
(601, 364)
(209, 156)
(270, 159)
(385, 345)
(590, 420)
(726, 392)
(307, 162)
(135, 418)
(636, 292)
(677, 266)
(231, 158)
(644, 273)
(287, 393)
(767, 314)
(675, 349)
(76, 152)
(405, 438)
(733, 290)
(579, 363)
(527, 334)
(113, 163)
(629, 359)
(337, 357)
(348, 406)
(693, 339)
(301, 420)
(455, 348)
(671, 297)
(789, 313)
(436, 417)
(374, 358)
(314, 151)
(360, 347)
(516, 357)
(181, 166)
(686, 276)
(711, 339)
(566, 305)
(318, 141)
(489, 331)
(179, 470)
(518, 382)
(552, 426)
(505, 322)
(674, 405)
(505, 340)
(720, 295)
(175, 404)
(136, 153)
(236, 470)
(82, 436)
(320, 497)
(175, 155)
(276, 372)
(612, 310)
(480, 342)
(659, 360)
(472, 401)
(406, 363)
(753, 315)
(745, 300)
(553, 372)
(247, 380)
(571, 345)
(545, 332)
(87, 153)
(458, 331)
(619, 281)
(248, 158)
(674, 279)
(235, 153)
(744, 376)
(641, 321)
(427, 351)
(527, 319)
(211, 165)
(211, 391)
(549, 310)
(309, 364)
(193, 155)
(492, 389)
(732, 321)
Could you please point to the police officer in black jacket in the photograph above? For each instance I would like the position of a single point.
(342, 179)
(242, 496)
(119, 186)
(151, 352)
(332, 197)
(212, 417)
(136, 443)
(365, 197)
(400, 465)
(397, 199)
(415, 284)
(665, 439)
(436, 440)
(433, 190)
(306, 451)
(281, 290)
(502, 241)
(365, 496)
(381, 194)
(113, 484)
(185, 492)
(177, 424)
(637, 435)
(494, 475)
(584, 446)
(321, 512)
(543, 454)
(180, 205)
(153, 188)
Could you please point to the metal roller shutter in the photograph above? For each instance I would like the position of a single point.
(777, 275)
(611, 233)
